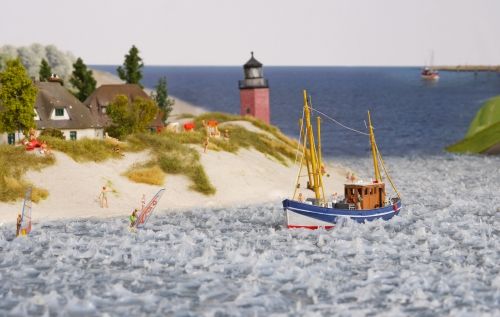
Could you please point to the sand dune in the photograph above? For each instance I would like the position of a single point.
(245, 178)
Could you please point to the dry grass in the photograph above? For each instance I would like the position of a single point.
(85, 150)
(152, 175)
(14, 163)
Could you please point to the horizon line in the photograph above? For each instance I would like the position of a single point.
(371, 66)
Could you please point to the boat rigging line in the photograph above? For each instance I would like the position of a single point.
(300, 137)
(340, 124)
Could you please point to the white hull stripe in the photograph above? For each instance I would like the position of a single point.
(296, 219)
(341, 215)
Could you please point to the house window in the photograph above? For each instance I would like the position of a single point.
(11, 138)
(248, 110)
(59, 112)
(72, 135)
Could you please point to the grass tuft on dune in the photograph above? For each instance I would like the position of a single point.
(14, 163)
(152, 175)
(86, 150)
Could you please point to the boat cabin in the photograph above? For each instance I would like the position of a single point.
(365, 195)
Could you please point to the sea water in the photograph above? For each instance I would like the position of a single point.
(410, 115)
(439, 257)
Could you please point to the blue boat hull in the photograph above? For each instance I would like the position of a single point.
(303, 215)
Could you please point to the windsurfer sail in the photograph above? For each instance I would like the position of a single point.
(146, 212)
(26, 214)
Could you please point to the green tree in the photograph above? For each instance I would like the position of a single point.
(45, 71)
(161, 97)
(17, 98)
(131, 71)
(130, 117)
(82, 79)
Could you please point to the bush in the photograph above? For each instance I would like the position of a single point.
(54, 133)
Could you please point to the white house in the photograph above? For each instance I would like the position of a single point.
(57, 108)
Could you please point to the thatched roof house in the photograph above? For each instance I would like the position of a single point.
(57, 108)
(105, 94)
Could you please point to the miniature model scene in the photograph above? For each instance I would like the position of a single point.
(250, 159)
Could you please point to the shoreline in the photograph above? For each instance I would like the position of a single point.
(74, 187)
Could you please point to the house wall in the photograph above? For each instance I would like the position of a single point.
(80, 134)
(84, 133)
(4, 137)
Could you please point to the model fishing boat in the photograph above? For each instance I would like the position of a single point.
(363, 201)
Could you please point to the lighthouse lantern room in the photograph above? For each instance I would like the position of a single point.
(254, 91)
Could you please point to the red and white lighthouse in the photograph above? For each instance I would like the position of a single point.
(254, 91)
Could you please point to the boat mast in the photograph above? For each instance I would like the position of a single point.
(378, 178)
(315, 168)
(320, 159)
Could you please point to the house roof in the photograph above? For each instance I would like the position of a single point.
(105, 94)
(52, 95)
(252, 63)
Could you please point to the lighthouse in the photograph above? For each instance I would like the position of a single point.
(254, 91)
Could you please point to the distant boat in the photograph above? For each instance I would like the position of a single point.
(428, 73)
(363, 201)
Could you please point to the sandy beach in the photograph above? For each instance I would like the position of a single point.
(246, 178)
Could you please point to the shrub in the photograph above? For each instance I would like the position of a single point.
(51, 132)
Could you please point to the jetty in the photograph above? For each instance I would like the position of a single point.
(469, 68)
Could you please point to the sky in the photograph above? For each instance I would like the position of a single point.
(280, 32)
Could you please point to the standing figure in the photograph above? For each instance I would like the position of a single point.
(359, 201)
(205, 145)
(18, 224)
(300, 198)
(335, 197)
(104, 197)
(143, 201)
(133, 218)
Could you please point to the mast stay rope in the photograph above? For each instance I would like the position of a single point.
(337, 122)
